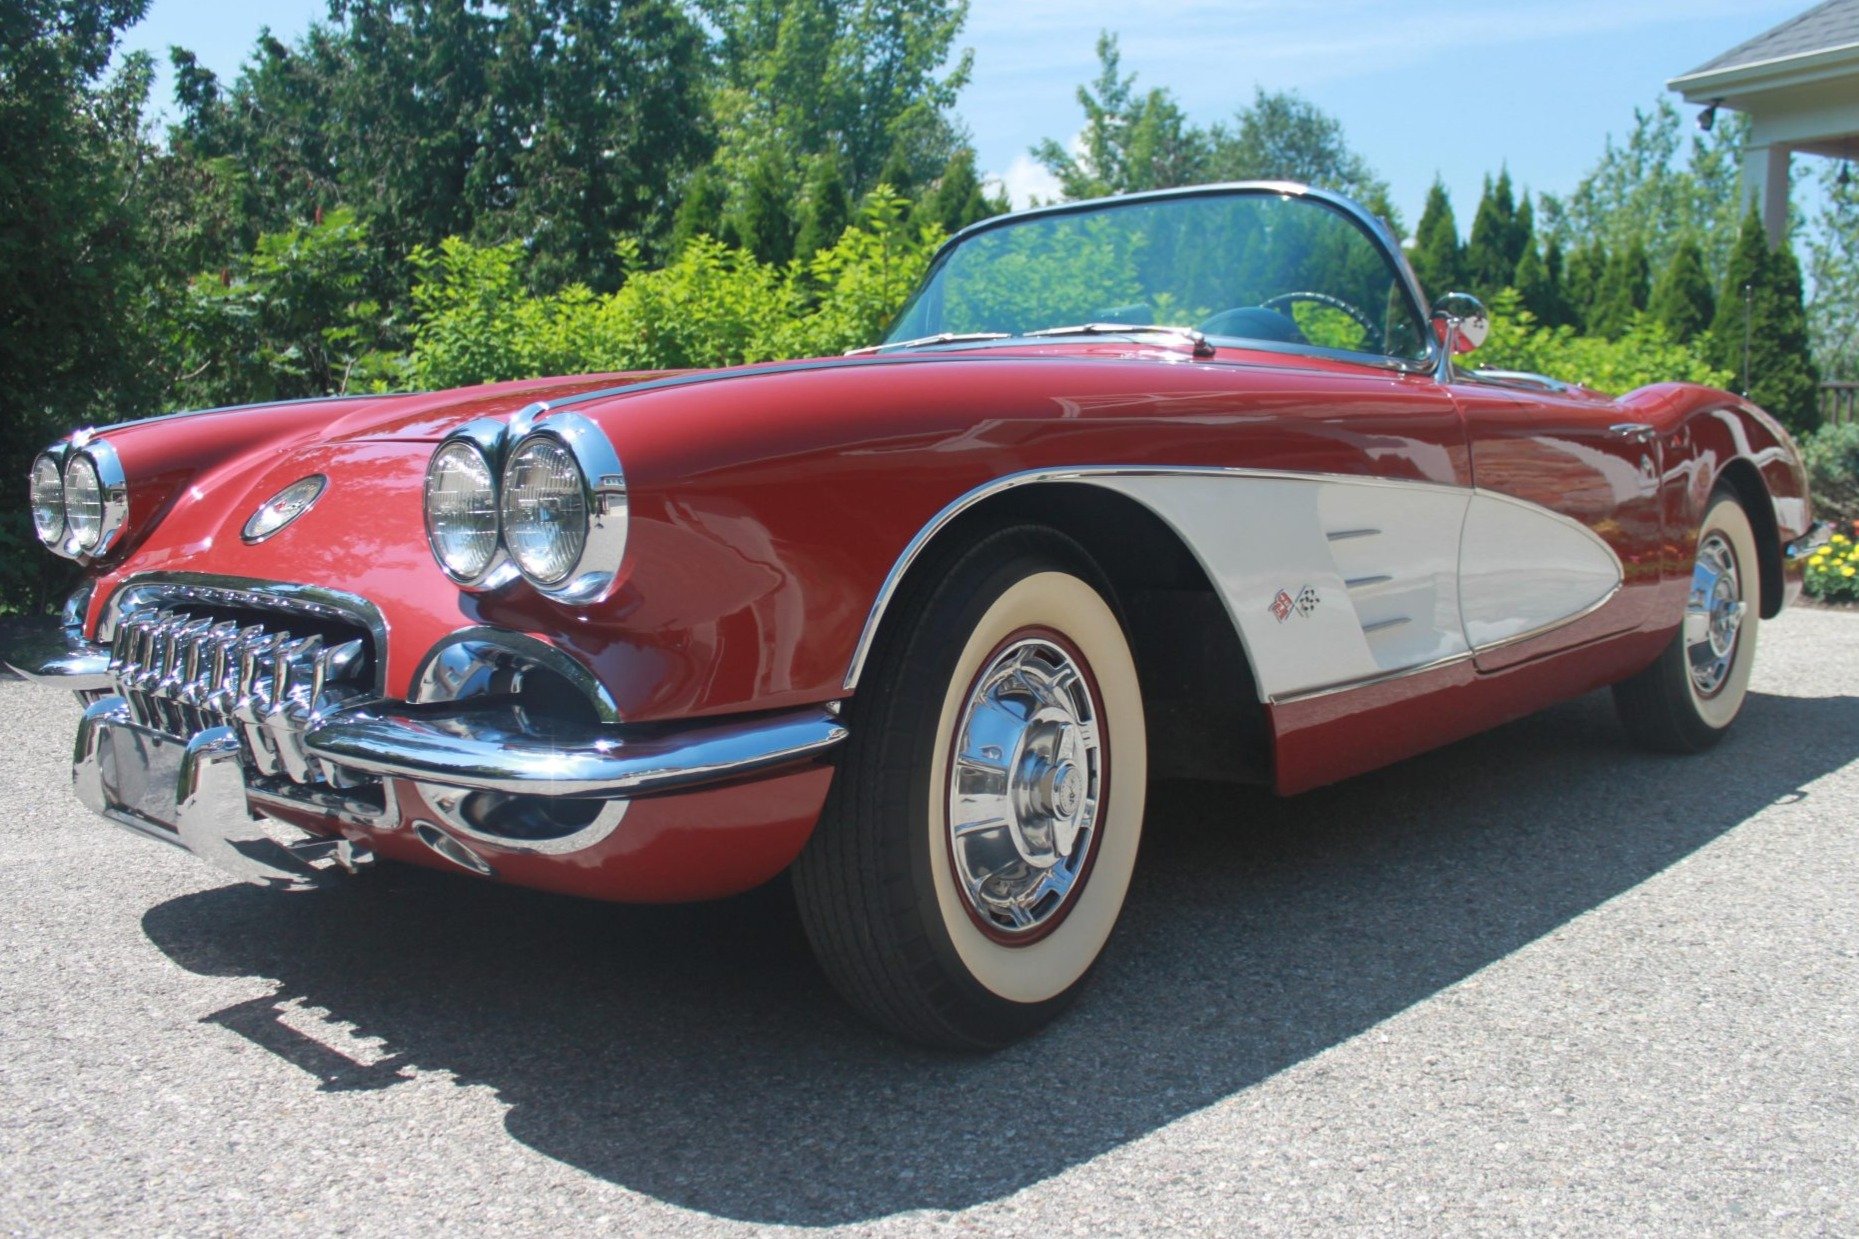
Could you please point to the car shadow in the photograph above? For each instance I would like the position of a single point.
(694, 1054)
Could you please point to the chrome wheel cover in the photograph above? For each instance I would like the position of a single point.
(1713, 614)
(1025, 785)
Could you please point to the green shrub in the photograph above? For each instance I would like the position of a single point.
(1832, 572)
(1643, 354)
(715, 305)
(1832, 458)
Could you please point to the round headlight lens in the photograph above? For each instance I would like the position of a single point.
(83, 502)
(461, 510)
(48, 500)
(544, 509)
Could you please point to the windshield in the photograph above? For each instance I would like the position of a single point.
(1242, 266)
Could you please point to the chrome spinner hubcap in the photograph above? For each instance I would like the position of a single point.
(1713, 614)
(1024, 787)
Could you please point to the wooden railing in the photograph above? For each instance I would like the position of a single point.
(1839, 401)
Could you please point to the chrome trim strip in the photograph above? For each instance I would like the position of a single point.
(1370, 681)
(149, 590)
(1344, 535)
(1384, 625)
(490, 750)
(1363, 582)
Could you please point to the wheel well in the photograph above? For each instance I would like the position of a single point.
(1742, 480)
(1205, 719)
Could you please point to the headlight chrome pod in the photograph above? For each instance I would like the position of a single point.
(80, 497)
(564, 508)
(461, 507)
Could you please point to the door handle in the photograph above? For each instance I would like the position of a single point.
(1639, 432)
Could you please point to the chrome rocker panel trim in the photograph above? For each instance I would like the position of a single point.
(489, 749)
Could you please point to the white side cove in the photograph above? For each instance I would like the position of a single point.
(1336, 581)
(1519, 572)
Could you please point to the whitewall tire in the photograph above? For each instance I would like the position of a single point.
(1686, 700)
(984, 822)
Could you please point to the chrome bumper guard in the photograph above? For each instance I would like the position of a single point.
(192, 793)
(498, 750)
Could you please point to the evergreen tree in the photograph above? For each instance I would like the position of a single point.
(1682, 302)
(759, 221)
(1436, 255)
(1538, 286)
(1557, 273)
(958, 200)
(1759, 332)
(898, 173)
(700, 211)
(1496, 246)
(1625, 286)
(825, 211)
(1587, 271)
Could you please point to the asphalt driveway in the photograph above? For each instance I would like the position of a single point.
(1536, 980)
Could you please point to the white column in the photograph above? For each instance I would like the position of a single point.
(1765, 182)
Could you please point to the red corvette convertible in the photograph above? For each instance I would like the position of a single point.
(1178, 484)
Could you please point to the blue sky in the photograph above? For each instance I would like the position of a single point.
(1453, 87)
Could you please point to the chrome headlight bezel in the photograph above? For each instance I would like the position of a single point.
(484, 436)
(98, 457)
(595, 570)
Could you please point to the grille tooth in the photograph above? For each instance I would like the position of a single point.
(182, 672)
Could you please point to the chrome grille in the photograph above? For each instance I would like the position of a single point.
(182, 671)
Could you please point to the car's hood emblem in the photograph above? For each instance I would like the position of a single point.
(284, 507)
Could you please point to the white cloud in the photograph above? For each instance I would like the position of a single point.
(1026, 179)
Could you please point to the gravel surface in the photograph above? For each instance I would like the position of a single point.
(1534, 980)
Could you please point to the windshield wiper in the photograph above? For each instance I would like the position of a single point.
(941, 337)
(1193, 337)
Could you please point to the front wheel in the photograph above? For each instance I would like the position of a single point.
(1686, 700)
(974, 854)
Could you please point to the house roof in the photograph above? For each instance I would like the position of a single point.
(1825, 27)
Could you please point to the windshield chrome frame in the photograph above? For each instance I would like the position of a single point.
(1378, 233)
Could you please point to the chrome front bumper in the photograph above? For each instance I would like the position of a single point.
(498, 750)
(200, 792)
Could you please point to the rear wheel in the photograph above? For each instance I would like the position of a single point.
(1686, 700)
(974, 854)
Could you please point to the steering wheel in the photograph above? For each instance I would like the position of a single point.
(1283, 301)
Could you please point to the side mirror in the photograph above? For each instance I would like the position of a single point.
(1460, 322)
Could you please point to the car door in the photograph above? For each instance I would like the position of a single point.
(1529, 585)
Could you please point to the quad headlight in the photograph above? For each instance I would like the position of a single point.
(48, 499)
(550, 501)
(79, 497)
(83, 503)
(461, 510)
(545, 505)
